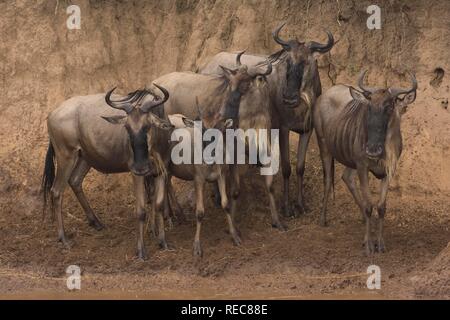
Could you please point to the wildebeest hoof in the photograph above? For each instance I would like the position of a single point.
(379, 246)
(96, 224)
(299, 210)
(142, 255)
(287, 211)
(68, 244)
(369, 247)
(197, 252)
(323, 222)
(279, 225)
(163, 245)
(236, 239)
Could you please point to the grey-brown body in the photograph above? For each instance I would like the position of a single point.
(187, 85)
(361, 130)
(291, 99)
(81, 139)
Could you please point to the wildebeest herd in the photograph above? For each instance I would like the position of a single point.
(360, 128)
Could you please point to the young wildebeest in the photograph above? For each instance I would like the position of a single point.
(81, 139)
(361, 130)
(294, 86)
(200, 174)
(239, 94)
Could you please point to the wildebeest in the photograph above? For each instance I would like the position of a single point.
(80, 139)
(294, 86)
(361, 130)
(228, 96)
(200, 174)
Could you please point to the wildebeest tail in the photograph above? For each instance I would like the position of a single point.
(48, 177)
(332, 177)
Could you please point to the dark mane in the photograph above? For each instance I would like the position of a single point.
(274, 58)
(348, 130)
(137, 95)
(354, 109)
(222, 87)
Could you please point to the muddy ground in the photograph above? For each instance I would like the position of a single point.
(129, 43)
(307, 261)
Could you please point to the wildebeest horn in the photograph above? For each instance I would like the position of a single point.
(322, 48)
(238, 58)
(268, 70)
(397, 91)
(121, 104)
(362, 75)
(152, 104)
(277, 38)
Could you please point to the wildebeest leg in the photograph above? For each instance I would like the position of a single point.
(199, 214)
(301, 157)
(160, 194)
(234, 232)
(76, 183)
(166, 210)
(235, 189)
(381, 209)
(141, 214)
(65, 165)
(286, 169)
(276, 222)
(364, 185)
(174, 205)
(327, 166)
(216, 195)
(349, 178)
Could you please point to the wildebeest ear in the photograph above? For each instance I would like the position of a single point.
(160, 123)
(408, 98)
(228, 72)
(402, 102)
(188, 122)
(115, 119)
(358, 95)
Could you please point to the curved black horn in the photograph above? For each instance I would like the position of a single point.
(121, 104)
(322, 48)
(277, 39)
(397, 91)
(238, 58)
(364, 88)
(152, 104)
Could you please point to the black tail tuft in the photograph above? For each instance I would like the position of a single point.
(332, 177)
(48, 176)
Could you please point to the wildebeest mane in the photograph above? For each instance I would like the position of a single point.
(274, 58)
(348, 131)
(137, 95)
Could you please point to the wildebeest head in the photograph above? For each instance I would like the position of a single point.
(240, 81)
(300, 66)
(383, 106)
(138, 121)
